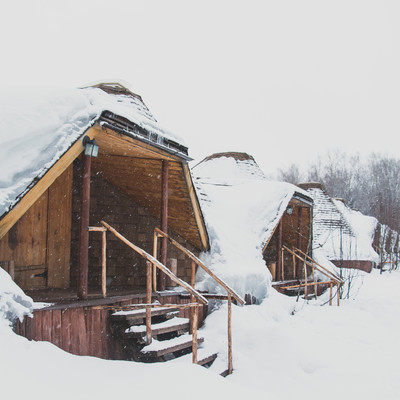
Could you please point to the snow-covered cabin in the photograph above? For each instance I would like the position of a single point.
(250, 219)
(51, 191)
(345, 235)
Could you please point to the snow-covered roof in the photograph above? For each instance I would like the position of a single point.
(343, 233)
(241, 209)
(38, 127)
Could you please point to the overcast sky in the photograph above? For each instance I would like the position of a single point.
(282, 80)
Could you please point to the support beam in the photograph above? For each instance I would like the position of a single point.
(164, 219)
(84, 230)
(279, 253)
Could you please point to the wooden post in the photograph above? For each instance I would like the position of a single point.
(192, 298)
(103, 264)
(283, 263)
(338, 294)
(230, 367)
(330, 298)
(313, 276)
(155, 243)
(294, 266)
(299, 222)
(84, 232)
(148, 300)
(164, 219)
(305, 281)
(279, 253)
(194, 333)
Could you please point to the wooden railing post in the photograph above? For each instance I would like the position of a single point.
(155, 244)
(194, 332)
(230, 367)
(330, 298)
(338, 294)
(192, 298)
(313, 276)
(283, 264)
(148, 300)
(305, 280)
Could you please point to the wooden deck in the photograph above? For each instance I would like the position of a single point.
(83, 327)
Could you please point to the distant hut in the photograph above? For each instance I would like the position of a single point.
(259, 221)
(345, 235)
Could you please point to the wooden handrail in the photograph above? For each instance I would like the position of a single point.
(200, 264)
(327, 272)
(334, 279)
(155, 262)
(315, 265)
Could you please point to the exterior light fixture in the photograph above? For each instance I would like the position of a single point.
(91, 147)
(289, 210)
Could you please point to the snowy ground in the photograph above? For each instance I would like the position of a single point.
(282, 350)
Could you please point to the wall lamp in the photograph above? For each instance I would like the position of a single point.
(289, 210)
(91, 147)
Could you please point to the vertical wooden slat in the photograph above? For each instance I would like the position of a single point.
(192, 298)
(47, 325)
(56, 323)
(330, 295)
(305, 280)
(66, 330)
(84, 232)
(59, 230)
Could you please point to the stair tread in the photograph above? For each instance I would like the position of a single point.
(204, 356)
(170, 325)
(162, 347)
(140, 313)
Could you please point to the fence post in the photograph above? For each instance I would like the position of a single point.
(194, 333)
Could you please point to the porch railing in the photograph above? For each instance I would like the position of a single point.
(331, 278)
(152, 264)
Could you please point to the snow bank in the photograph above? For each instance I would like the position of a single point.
(241, 210)
(14, 304)
(363, 227)
(36, 128)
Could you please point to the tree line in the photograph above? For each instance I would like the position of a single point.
(369, 185)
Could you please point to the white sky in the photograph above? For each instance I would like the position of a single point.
(282, 80)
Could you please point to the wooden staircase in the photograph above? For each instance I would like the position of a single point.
(170, 335)
(152, 332)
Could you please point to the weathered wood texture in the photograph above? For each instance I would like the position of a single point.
(39, 242)
(124, 267)
(295, 231)
(82, 330)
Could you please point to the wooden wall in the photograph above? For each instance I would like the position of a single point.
(39, 242)
(125, 268)
(295, 233)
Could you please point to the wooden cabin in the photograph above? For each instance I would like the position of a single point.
(276, 216)
(335, 230)
(81, 236)
(293, 232)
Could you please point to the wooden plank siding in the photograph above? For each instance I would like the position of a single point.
(39, 243)
(82, 330)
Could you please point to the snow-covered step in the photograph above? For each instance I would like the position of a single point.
(159, 348)
(171, 325)
(204, 357)
(139, 315)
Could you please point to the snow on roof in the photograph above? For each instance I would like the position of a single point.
(344, 234)
(241, 209)
(38, 127)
